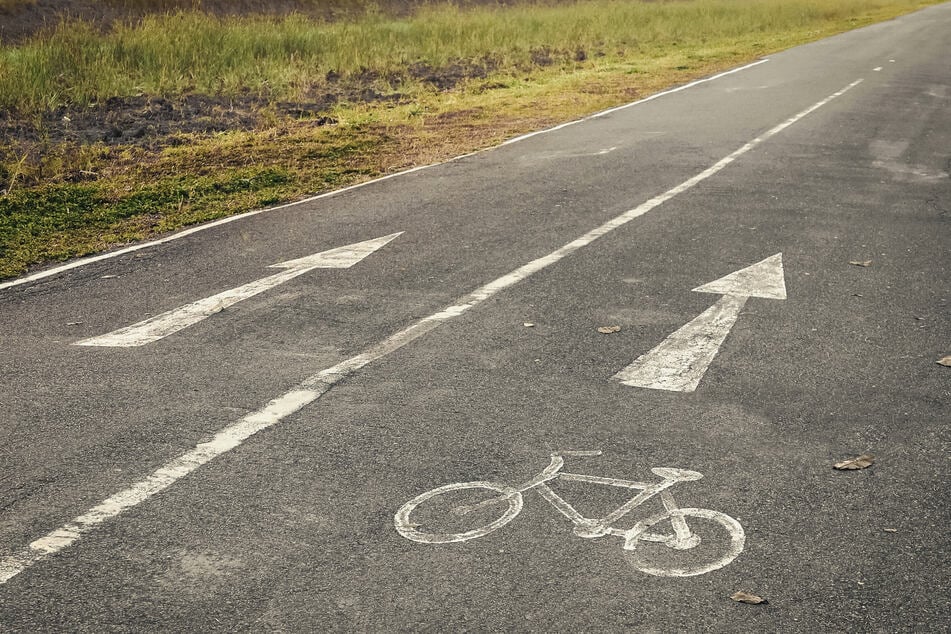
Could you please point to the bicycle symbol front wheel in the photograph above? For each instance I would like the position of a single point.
(716, 540)
(438, 516)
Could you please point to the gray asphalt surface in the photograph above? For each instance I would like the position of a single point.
(293, 530)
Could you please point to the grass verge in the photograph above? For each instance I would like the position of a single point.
(183, 118)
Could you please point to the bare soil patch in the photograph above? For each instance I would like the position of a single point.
(155, 121)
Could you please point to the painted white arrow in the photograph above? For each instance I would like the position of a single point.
(680, 361)
(159, 326)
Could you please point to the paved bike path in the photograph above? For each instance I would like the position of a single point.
(294, 528)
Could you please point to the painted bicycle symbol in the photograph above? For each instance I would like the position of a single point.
(664, 544)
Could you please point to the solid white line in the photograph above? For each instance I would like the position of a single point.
(316, 385)
(215, 223)
(636, 103)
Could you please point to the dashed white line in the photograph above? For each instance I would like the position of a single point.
(313, 387)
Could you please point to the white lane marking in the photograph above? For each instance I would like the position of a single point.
(680, 361)
(226, 439)
(635, 103)
(170, 322)
(215, 223)
(316, 385)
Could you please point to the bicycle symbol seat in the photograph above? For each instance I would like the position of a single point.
(456, 502)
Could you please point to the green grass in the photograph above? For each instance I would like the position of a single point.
(56, 216)
(547, 64)
(286, 58)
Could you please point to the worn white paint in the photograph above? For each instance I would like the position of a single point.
(509, 501)
(314, 386)
(500, 494)
(679, 362)
(538, 157)
(170, 322)
(888, 156)
(637, 536)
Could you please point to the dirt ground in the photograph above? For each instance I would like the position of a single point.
(154, 122)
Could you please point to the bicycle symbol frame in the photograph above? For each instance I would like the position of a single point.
(680, 538)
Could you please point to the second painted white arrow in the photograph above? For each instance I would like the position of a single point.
(680, 361)
(160, 326)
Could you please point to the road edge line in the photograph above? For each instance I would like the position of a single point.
(40, 275)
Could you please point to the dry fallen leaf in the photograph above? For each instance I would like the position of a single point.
(945, 361)
(607, 330)
(861, 263)
(746, 597)
(862, 462)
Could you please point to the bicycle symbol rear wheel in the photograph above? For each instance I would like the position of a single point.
(716, 541)
(411, 525)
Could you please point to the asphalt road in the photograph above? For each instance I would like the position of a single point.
(124, 507)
